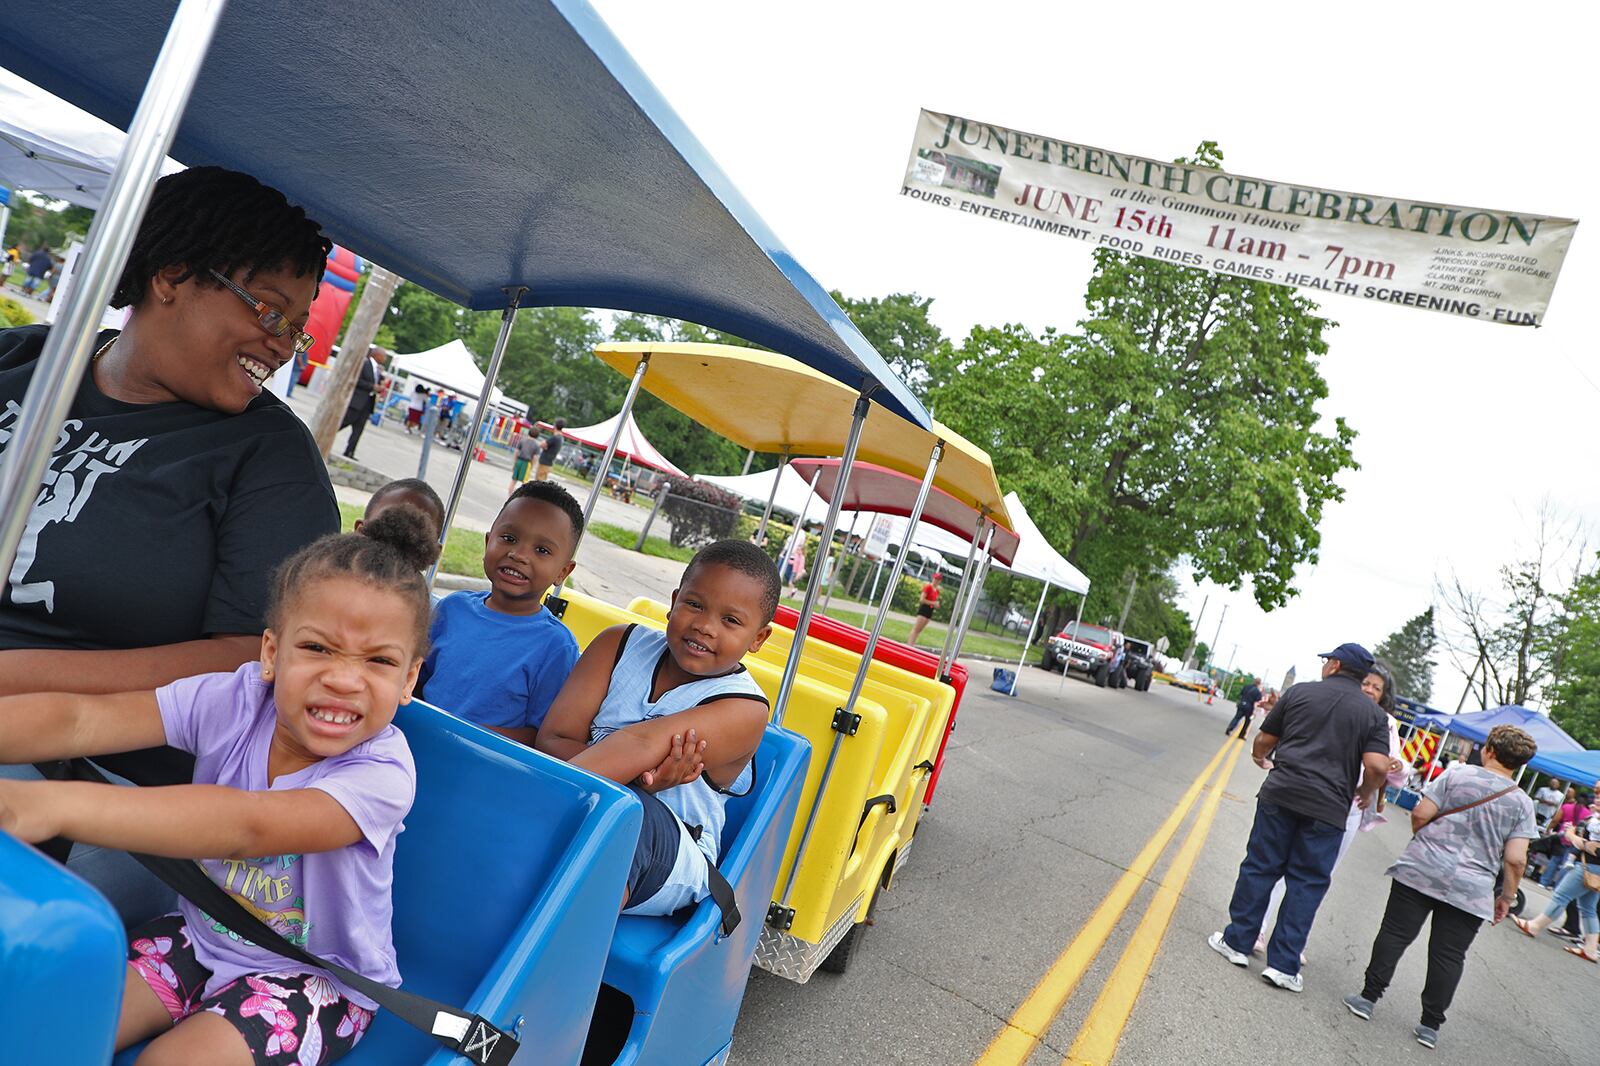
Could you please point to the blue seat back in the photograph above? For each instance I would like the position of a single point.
(62, 956)
(679, 969)
(507, 883)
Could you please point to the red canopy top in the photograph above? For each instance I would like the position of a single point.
(877, 488)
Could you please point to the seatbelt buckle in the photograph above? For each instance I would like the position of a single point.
(476, 1039)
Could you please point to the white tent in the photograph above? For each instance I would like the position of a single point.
(794, 494)
(1035, 558)
(450, 366)
(632, 445)
(53, 148)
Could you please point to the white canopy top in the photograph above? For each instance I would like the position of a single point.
(632, 445)
(794, 495)
(53, 148)
(450, 365)
(1035, 558)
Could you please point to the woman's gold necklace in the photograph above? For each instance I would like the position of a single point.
(104, 348)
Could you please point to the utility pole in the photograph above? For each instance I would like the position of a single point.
(1188, 656)
(1127, 603)
(364, 324)
(1218, 636)
(749, 457)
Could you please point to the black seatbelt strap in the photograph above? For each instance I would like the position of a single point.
(721, 890)
(468, 1035)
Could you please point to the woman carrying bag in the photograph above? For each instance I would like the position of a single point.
(1471, 827)
(1581, 883)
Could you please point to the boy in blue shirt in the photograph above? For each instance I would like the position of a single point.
(498, 658)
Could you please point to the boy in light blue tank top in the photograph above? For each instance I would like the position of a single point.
(638, 693)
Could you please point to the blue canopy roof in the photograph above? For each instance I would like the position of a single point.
(469, 146)
(1574, 767)
(1551, 738)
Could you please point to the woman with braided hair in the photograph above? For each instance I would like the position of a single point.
(177, 483)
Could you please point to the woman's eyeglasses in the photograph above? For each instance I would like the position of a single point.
(272, 320)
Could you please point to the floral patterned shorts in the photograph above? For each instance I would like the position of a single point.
(293, 1019)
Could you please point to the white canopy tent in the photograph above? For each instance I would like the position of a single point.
(631, 444)
(1038, 560)
(54, 149)
(450, 366)
(794, 496)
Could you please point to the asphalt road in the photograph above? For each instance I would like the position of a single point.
(1045, 801)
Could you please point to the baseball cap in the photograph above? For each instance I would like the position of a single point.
(1351, 655)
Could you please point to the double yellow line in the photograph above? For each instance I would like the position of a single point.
(1097, 1040)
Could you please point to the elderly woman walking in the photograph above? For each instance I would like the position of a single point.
(1471, 826)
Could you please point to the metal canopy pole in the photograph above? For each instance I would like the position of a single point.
(791, 668)
(861, 671)
(961, 591)
(1076, 623)
(894, 579)
(70, 344)
(766, 515)
(604, 470)
(971, 606)
(1438, 749)
(508, 318)
(833, 574)
(1033, 627)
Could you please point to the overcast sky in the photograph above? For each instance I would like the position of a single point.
(1465, 427)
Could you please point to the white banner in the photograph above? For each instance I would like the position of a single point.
(878, 537)
(1496, 266)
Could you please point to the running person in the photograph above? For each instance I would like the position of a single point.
(926, 605)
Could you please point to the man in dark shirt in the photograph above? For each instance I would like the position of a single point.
(1246, 708)
(363, 400)
(1327, 742)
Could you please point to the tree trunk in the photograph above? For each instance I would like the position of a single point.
(357, 339)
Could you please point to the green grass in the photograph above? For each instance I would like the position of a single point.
(463, 551)
(627, 538)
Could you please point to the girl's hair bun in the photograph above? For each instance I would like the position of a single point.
(407, 531)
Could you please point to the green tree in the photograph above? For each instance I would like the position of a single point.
(1180, 422)
(1156, 614)
(898, 326)
(1202, 655)
(1408, 651)
(418, 320)
(1575, 691)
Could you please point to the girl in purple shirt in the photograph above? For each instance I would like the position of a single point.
(301, 784)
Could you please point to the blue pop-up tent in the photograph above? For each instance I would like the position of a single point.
(1551, 738)
(469, 146)
(1575, 767)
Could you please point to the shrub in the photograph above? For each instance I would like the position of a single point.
(13, 313)
(700, 512)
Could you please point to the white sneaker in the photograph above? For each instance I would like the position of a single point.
(1288, 982)
(1220, 946)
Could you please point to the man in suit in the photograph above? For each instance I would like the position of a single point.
(363, 400)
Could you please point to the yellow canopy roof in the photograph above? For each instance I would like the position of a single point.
(768, 402)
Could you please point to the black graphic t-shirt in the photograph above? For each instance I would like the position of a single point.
(157, 523)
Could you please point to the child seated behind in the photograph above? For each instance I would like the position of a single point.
(637, 692)
(412, 493)
(499, 657)
(296, 759)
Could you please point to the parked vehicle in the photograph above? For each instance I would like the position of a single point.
(1138, 663)
(1193, 680)
(1088, 649)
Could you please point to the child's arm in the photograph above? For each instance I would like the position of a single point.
(180, 821)
(61, 725)
(565, 732)
(731, 729)
(522, 734)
